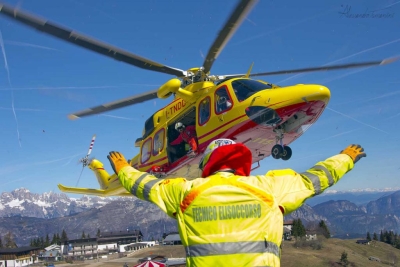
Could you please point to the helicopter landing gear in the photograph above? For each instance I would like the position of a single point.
(279, 151)
(276, 151)
(287, 153)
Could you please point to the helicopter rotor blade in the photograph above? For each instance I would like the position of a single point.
(323, 68)
(91, 146)
(231, 25)
(85, 41)
(115, 104)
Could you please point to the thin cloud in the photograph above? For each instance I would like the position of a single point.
(19, 167)
(76, 87)
(10, 181)
(29, 45)
(309, 156)
(281, 28)
(385, 7)
(9, 82)
(354, 119)
(252, 22)
(378, 97)
(23, 109)
(391, 117)
(343, 75)
(343, 58)
(117, 117)
(334, 136)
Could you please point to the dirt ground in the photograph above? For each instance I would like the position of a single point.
(176, 251)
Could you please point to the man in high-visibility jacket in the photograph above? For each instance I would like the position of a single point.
(229, 218)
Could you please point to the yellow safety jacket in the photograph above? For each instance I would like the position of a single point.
(229, 220)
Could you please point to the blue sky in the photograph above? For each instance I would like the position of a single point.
(46, 79)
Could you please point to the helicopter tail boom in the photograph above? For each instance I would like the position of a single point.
(94, 192)
(109, 184)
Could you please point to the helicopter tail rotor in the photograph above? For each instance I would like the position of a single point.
(86, 160)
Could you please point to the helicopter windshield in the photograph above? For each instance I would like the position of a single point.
(244, 88)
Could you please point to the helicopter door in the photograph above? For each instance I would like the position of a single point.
(223, 101)
(177, 146)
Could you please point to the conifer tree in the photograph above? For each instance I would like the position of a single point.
(54, 240)
(375, 237)
(47, 241)
(83, 234)
(295, 228)
(324, 229)
(41, 242)
(298, 228)
(343, 259)
(58, 239)
(381, 237)
(391, 238)
(368, 237)
(98, 233)
(302, 229)
(64, 236)
(1, 243)
(9, 241)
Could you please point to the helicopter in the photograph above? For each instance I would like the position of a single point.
(264, 116)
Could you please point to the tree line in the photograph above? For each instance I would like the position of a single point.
(41, 242)
(299, 230)
(388, 237)
(8, 241)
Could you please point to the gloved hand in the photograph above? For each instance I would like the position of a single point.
(356, 152)
(117, 161)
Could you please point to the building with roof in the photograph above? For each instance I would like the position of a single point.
(172, 239)
(311, 235)
(51, 253)
(136, 246)
(104, 244)
(22, 256)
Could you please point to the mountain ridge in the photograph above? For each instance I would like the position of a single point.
(29, 215)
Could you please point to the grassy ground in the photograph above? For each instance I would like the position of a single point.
(332, 249)
(328, 255)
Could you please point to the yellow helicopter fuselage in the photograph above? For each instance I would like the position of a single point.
(220, 111)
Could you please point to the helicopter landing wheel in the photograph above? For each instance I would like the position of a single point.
(277, 151)
(287, 153)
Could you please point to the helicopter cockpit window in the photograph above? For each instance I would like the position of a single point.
(146, 150)
(245, 88)
(204, 110)
(158, 143)
(148, 126)
(223, 101)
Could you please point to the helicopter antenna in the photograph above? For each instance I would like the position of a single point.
(85, 160)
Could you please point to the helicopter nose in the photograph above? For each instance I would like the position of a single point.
(316, 92)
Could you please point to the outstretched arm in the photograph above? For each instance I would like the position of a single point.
(166, 194)
(177, 141)
(292, 189)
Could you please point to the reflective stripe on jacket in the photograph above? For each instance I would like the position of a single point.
(228, 220)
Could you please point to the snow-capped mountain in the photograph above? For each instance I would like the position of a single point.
(22, 202)
(366, 190)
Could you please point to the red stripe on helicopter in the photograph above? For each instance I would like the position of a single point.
(216, 129)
